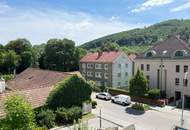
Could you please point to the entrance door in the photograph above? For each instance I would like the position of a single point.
(187, 101)
(177, 95)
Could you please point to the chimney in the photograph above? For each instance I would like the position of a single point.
(99, 54)
(2, 85)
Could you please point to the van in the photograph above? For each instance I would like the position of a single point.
(121, 99)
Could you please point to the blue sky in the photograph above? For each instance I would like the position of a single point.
(82, 20)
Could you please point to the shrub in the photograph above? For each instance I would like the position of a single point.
(46, 118)
(138, 85)
(19, 114)
(73, 91)
(140, 106)
(95, 88)
(94, 104)
(116, 91)
(69, 115)
(8, 77)
(154, 94)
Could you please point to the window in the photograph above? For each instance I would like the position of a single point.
(98, 74)
(185, 82)
(105, 75)
(106, 66)
(177, 68)
(142, 66)
(119, 65)
(180, 53)
(119, 83)
(148, 67)
(83, 73)
(119, 74)
(126, 74)
(150, 53)
(89, 74)
(89, 66)
(177, 82)
(98, 66)
(185, 68)
(126, 65)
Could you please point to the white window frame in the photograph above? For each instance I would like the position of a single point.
(126, 74)
(83, 65)
(106, 75)
(89, 65)
(106, 66)
(98, 74)
(98, 66)
(89, 74)
(126, 65)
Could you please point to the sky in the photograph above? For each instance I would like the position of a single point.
(82, 20)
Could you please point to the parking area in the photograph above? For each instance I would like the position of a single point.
(157, 119)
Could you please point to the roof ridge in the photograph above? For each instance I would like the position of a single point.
(183, 43)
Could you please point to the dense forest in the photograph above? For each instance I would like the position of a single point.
(145, 37)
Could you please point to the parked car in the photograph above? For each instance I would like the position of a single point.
(121, 99)
(103, 95)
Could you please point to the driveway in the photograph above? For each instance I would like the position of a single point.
(158, 119)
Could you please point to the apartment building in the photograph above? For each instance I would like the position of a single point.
(110, 69)
(165, 65)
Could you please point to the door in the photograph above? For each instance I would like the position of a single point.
(187, 101)
(177, 95)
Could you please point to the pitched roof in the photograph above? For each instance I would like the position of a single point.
(107, 57)
(170, 46)
(36, 78)
(34, 84)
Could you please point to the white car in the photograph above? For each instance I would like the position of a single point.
(121, 99)
(103, 95)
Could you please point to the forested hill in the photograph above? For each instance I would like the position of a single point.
(145, 36)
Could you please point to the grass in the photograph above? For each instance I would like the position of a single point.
(88, 117)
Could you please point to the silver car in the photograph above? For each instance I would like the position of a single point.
(104, 95)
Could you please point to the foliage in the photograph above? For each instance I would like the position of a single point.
(145, 36)
(19, 114)
(8, 77)
(68, 115)
(73, 91)
(82, 52)
(109, 47)
(94, 104)
(60, 55)
(140, 106)
(116, 91)
(45, 118)
(95, 88)
(154, 94)
(138, 84)
(81, 126)
(135, 49)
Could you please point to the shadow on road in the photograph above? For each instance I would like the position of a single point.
(133, 111)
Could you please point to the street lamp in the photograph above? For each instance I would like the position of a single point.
(184, 84)
(100, 107)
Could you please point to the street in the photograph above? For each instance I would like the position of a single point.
(158, 119)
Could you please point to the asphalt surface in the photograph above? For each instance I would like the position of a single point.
(158, 119)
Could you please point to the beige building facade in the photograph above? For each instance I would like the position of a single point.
(165, 66)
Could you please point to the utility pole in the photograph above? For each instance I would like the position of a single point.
(184, 84)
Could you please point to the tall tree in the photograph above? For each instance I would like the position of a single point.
(139, 84)
(60, 55)
(23, 48)
(109, 47)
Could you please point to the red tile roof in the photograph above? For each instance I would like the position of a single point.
(107, 57)
(34, 84)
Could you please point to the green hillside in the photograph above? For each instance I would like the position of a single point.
(146, 36)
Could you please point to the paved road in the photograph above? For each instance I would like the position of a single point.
(163, 119)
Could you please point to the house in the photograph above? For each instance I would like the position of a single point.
(165, 65)
(34, 84)
(110, 69)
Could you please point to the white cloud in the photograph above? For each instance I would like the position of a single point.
(4, 8)
(149, 4)
(181, 7)
(39, 26)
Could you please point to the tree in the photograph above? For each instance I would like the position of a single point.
(72, 91)
(138, 84)
(109, 47)
(23, 48)
(10, 60)
(82, 52)
(60, 55)
(19, 114)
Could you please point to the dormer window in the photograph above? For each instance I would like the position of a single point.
(180, 53)
(150, 53)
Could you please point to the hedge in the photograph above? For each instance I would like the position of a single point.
(116, 91)
(154, 94)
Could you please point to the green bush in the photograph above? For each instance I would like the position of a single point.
(45, 118)
(140, 107)
(95, 88)
(73, 91)
(69, 115)
(8, 77)
(94, 104)
(116, 91)
(154, 94)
